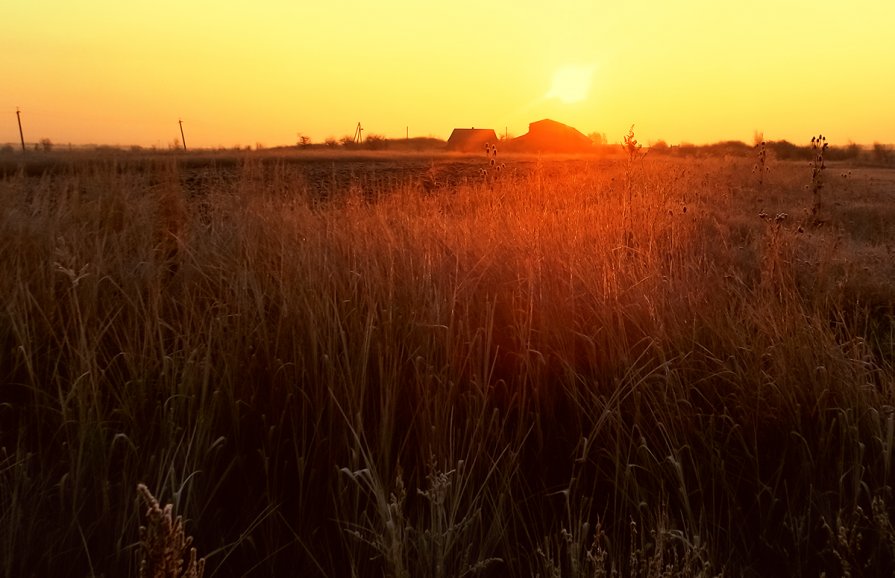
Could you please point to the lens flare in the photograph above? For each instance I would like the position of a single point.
(571, 83)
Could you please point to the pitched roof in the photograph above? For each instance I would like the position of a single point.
(471, 139)
(550, 136)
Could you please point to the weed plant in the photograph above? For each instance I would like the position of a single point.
(818, 149)
(760, 167)
(480, 381)
(633, 153)
(164, 543)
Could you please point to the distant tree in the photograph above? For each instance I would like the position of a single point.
(7, 149)
(506, 137)
(304, 141)
(331, 142)
(852, 150)
(347, 142)
(598, 138)
(659, 145)
(881, 153)
(376, 142)
(785, 150)
(728, 148)
(686, 149)
(46, 145)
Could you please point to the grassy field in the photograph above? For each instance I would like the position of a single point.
(567, 367)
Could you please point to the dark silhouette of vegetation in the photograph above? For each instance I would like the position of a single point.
(598, 138)
(818, 148)
(761, 165)
(376, 142)
(781, 150)
(630, 144)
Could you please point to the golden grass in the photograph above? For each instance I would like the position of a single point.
(164, 544)
(579, 368)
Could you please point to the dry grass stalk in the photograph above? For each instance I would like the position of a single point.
(818, 149)
(730, 379)
(163, 542)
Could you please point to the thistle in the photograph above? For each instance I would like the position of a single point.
(818, 148)
(760, 166)
(491, 155)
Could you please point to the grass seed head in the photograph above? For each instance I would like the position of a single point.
(163, 542)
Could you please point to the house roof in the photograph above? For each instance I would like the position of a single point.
(550, 136)
(471, 139)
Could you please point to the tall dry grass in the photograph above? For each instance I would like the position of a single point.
(577, 369)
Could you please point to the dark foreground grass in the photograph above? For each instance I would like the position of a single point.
(575, 369)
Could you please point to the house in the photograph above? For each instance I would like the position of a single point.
(551, 136)
(471, 140)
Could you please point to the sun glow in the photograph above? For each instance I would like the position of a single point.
(85, 72)
(571, 83)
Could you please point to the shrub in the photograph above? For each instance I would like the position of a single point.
(882, 153)
(376, 142)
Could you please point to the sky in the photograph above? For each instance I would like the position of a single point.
(265, 72)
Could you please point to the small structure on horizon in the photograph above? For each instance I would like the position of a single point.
(471, 140)
(553, 137)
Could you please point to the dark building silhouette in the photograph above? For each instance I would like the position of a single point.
(551, 136)
(471, 140)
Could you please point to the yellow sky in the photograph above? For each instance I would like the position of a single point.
(114, 72)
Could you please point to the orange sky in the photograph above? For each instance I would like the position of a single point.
(699, 71)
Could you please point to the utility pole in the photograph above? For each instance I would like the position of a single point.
(182, 138)
(407, 128)
(21, 134)
(359, 134)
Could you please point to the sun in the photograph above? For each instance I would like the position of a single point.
(571, 83)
